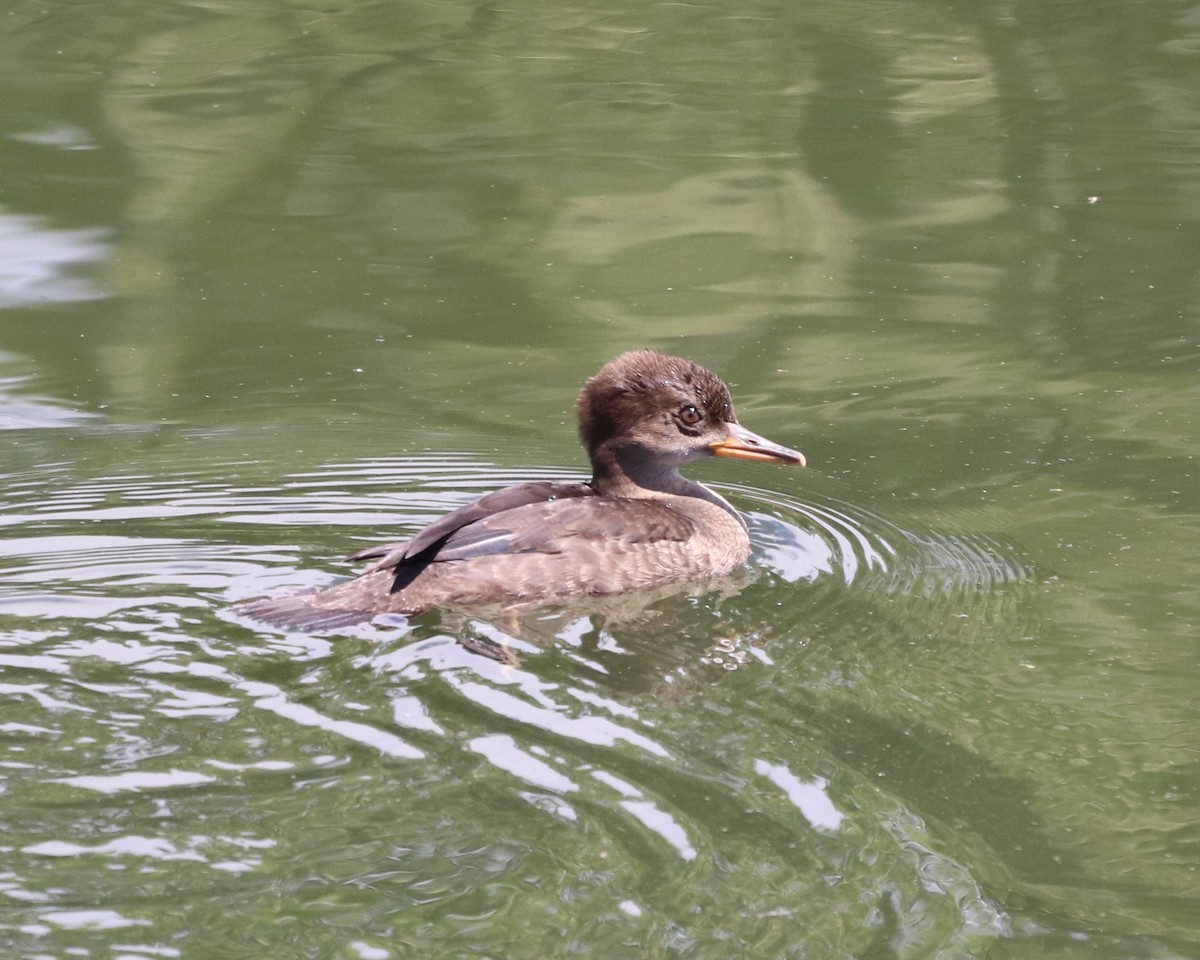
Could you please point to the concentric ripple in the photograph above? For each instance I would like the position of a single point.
(803, 540)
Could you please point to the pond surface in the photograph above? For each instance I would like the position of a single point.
(279, 281)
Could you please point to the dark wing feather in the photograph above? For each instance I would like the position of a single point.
(437, 533)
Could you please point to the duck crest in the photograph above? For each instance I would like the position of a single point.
(636, 384)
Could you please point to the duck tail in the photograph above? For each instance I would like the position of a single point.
(297, 612)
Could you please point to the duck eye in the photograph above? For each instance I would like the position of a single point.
(690, 415)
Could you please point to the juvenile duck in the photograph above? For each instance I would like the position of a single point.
(637, 523)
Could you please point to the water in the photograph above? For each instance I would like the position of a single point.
(278, 282)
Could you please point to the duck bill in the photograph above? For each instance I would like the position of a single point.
(742, 444)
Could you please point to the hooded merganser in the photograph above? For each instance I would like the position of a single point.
(637, 523)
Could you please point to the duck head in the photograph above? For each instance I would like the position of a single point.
(646, 413)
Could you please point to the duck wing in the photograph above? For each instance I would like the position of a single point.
(565, 525)
(428, 544)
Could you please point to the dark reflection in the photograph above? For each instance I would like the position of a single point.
(1100, 210)
(955, 788)
(630, 640)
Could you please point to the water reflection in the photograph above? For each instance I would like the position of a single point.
(962, 229)
(38, 263)
(811, 798)
(638, 725)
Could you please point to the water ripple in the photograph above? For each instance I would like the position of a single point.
(625, 725)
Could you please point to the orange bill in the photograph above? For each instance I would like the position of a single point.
(742, 444)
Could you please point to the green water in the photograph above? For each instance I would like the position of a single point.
(277, 281)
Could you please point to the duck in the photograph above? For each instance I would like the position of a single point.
(638, 523)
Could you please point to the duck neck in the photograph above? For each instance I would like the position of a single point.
(631, 473)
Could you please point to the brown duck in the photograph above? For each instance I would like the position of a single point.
(637, 523)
